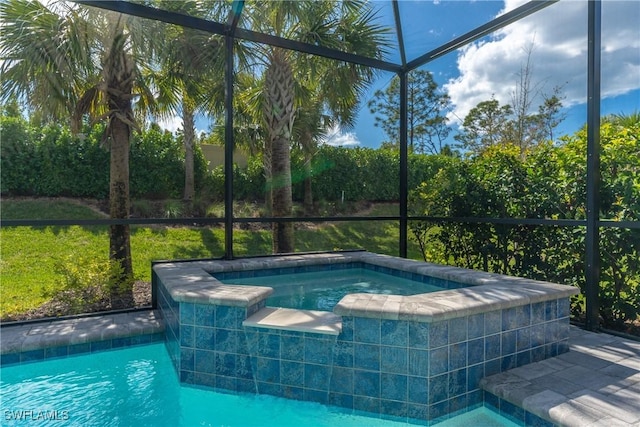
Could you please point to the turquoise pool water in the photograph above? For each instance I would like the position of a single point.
(322, 290)
(138, 387)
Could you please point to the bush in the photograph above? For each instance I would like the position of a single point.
(86, 281)
(549, 182)
(18, 157)
(53, 162)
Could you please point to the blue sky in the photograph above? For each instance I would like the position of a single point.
(490, 66)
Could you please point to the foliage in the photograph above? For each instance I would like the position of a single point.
(75, 64)
(362, 173)
(49, 162)
(157, 165)
(549, 182)
(489, 124)
(85, 281)
(30, 155)
(484, 126)
(157, 168)
(17, 154)
(427, 125)
(173, 209)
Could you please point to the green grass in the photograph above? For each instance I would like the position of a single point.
(28, 255)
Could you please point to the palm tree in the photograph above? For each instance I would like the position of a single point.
(278, 115)
(191, 63)
(311, 126)
(332, 95)
(68, 61)
(622, 119)
(344, 25)
(248, 130)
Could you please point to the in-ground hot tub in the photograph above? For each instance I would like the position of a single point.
(322, 286)
(416, 356)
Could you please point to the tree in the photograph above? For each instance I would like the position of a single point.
(331, 91)
(278, 115)
(191, 63)
(550, 114)
(489, 123)
(484, 126)
(428, 128)
(522, 129)
(68, 61)
(343, 25)
(550, 182)
(310, 126)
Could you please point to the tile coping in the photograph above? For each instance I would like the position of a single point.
(319, 322)
(193, 282)
(81, 330)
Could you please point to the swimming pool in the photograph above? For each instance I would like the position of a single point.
(322, 289)
(137, 386)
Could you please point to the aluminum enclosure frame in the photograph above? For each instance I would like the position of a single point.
(230, 32)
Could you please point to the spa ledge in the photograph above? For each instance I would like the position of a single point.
(449, 304)
(288, 319)
(193, 282)
(189, 283)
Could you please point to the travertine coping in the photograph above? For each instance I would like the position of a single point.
(318, 322)
(596, 383)
(192, 282)
(56, 333)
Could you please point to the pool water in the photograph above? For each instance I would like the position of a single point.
(322, 290)
(137, 386)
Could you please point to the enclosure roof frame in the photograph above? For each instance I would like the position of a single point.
(231, 31)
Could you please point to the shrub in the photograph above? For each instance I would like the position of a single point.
(86, 281)
(173, 209)
(17, 154)
(550, 182)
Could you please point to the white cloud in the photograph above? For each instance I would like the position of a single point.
(559, 36)
(335, 137)
(172, 124)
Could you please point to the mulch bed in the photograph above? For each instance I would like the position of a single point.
(59, 305)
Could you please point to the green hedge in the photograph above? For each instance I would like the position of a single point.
(362, 173)
(53, 162)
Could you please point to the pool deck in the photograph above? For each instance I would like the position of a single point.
(597, 383)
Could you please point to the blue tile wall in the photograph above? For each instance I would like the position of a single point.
(514, 413)
(76, 349)
(397, 369)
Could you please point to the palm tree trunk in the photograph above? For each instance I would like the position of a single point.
(119, 236)
(278, 114)
(307, 148)
(308, 189)
(119, 76)
(189, 141)
(268, 177)
(282, 196)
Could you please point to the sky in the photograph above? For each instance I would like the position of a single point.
(489, 67)
(556, 38)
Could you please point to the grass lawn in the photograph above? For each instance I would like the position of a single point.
(28, 255)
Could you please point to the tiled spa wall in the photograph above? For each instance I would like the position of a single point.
(395, 368)
(206, 342)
